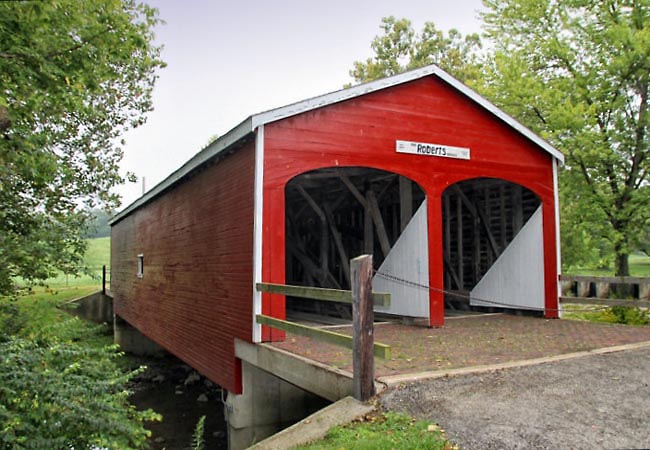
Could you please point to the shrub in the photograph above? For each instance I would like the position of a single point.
(629, 315)
(57, 392)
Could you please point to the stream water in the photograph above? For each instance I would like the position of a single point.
(182, 396)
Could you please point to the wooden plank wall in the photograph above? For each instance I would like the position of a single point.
(481, 218)
(195, 295)
(362, 132)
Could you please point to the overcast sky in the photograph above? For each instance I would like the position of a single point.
(230, 59)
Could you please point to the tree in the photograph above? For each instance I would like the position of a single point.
(578, 73)
(74, 75)
(400, 49)
(98, 225)
(644, 239)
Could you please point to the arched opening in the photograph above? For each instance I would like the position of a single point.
(335, 214)
(481, 218)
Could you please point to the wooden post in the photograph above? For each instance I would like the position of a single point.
(405, 202)
(363, 363)
(104, 279)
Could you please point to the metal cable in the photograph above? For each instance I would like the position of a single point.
(405, 282)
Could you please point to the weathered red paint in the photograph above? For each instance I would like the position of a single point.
(197, 238)
(196, 294)
(362, 132)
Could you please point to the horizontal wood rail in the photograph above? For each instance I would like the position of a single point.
(380, 350)
(316, 293)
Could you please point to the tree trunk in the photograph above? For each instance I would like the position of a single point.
(622, 269)
(5, 122)
(622, 263)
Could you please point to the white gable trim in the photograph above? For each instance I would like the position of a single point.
(250, 124)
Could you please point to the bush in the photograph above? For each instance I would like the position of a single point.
(629, 315)
(57, 392)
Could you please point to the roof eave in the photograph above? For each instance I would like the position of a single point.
(210, 151)
(251, 123)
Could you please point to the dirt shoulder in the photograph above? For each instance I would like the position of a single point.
(596, 401)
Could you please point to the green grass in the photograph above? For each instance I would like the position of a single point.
(639, 267)
(97, 255)
(618, 314)
(39, 306)
(385, 431)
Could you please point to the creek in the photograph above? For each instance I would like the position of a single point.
(181, 396)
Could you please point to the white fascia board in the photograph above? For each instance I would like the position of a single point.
(558, 249)
(249, 125)
(492, 108)
(373, 86)
(340, 95)
(257, 231)
(213, 149)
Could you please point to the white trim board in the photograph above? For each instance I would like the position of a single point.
(257, 231)
(253, 122)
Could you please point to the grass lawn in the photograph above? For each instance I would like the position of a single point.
(639, 267)
(40, 305)
(97, 255)
(383, 432)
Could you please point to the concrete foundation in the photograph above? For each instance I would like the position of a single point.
(96, 307)
(266, 406)
(132, 341)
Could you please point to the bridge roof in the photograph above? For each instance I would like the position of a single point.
(246, 128)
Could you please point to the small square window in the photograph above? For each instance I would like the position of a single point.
(140, 265)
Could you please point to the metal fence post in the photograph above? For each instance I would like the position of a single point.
(104, 279)
(363, 363)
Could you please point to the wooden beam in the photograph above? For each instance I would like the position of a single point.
(405, 201)
(384, 242)
(368, 232)
(446, 235)
(451, 272)
(517, 210)
(315, 293)
(459, 242)
(353, 189)
(384, 189)
(324, 238)
(310, 266)
(379, 350)
(475, 211)
(363, 323)
(502, 214)
(488, 232)
(338, 242)
(476, 248)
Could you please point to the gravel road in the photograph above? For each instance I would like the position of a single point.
(591, 402)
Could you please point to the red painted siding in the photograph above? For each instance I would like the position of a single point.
(196, 293)
(362, 132)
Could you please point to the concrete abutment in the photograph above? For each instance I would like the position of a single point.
(267, 405)
(131, 340)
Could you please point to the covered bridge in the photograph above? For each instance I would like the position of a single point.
(452, 196)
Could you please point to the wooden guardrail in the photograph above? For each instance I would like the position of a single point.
(331, 337)
(316, 293)
(592, 290)
(364, 349)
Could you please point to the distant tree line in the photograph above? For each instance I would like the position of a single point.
(98, 224)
